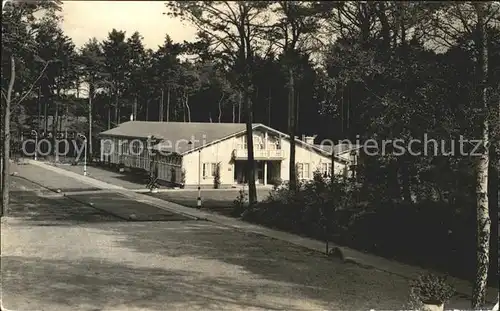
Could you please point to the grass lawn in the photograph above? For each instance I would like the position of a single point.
(220, 201)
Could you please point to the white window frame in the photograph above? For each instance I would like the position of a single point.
(258, 142)
(273, 143)
(303, 170)
(326, 167)
(209, 169)
(125, 147)
(308, 171)
(300, 170)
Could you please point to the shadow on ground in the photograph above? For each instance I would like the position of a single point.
(36, 206)
(182, 266)
(338, 285)
(95, 284)
(125, 208)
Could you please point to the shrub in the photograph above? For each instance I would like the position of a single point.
(217, 176)
(281, 194)
(277, 182)
(431, 289)
(240, 203)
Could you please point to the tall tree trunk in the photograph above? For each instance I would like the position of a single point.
(109, 117)
(184, 107)
(297, 110)
(119, 108)
(39, 109)
(117, 114)
(239, 107)
(135, 108)
(168, 103)
(494, 200)
(291, 125)
(348, 111)
(46, 99)
(252, 190)
(55, 124)
(483, 220)
(77, 87)
(186, 102)
(269, 107)
(340, 92)
(234, 112)
(146, 117)
(2, 108)
(6, 139)
(64, 118)
(220, 107)
(91, 95)
(161, 111)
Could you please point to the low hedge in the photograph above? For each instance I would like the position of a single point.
(429, 234)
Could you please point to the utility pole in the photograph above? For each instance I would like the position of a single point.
(91, 93)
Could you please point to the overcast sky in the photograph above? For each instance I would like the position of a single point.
(86, 19)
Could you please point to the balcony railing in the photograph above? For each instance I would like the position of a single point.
(259, 154)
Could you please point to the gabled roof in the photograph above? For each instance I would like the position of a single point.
(177, 135)
(301, 142)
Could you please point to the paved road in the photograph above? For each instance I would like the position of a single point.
(215, 200)
(130, 181)
(125, 180)
(59, 255)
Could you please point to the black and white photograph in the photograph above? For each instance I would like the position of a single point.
(249, 155)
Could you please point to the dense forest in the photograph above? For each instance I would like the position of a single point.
(387, 79)
(339, 70)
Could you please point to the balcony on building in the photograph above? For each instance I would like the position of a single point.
(260, 152)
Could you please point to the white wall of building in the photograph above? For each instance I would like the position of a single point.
(222, 152)
(219, 152)
(305, 154)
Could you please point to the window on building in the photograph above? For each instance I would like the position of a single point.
(258, 142)
(125, 147)
(307, 171)
(209, 169)
(273, 143)
(326, 169)
(303, 171)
